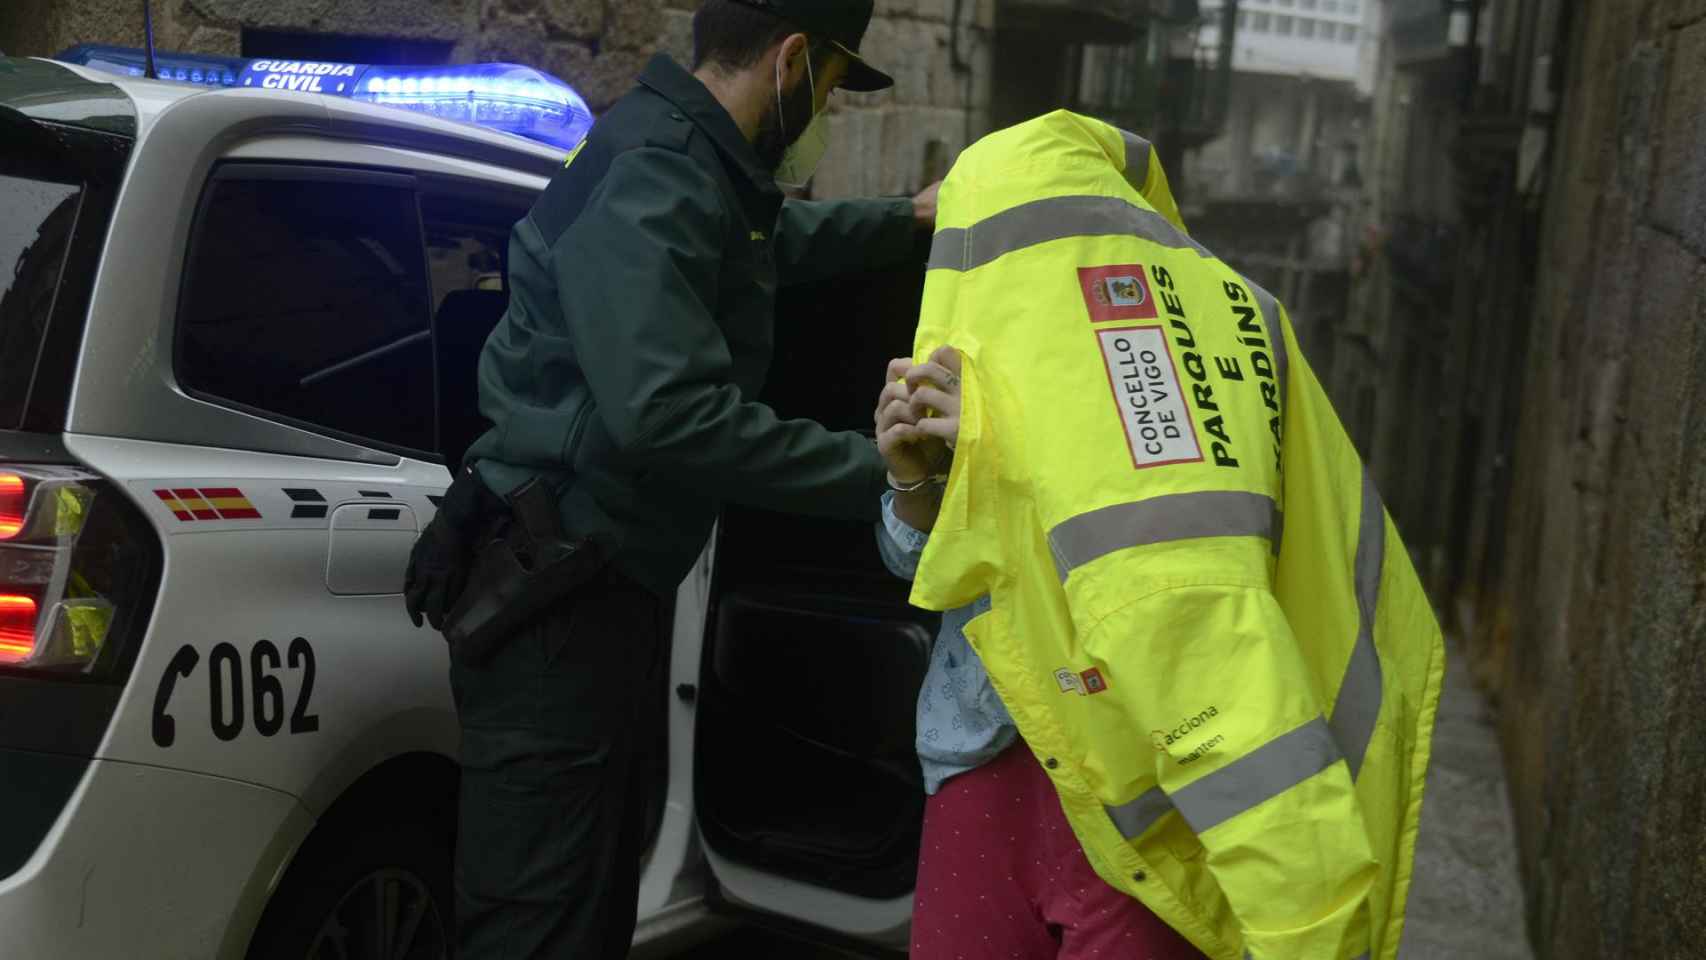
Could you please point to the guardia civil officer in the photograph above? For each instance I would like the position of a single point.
(620, 384)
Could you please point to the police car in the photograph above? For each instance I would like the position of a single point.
(240, 312)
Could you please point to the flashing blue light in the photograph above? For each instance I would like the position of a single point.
(502, 96)
(507, 97)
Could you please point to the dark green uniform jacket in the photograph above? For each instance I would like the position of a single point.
(640, 327)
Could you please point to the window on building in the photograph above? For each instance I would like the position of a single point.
(1352, 7)
(306, 299)
(1243, 20)
(1261, 22)
(1286, 3)
(1306, 28)
(1331, 6)
(1282, 25)
(1347, 33)
(1306, 4)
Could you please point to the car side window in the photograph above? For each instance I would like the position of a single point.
(306, 299)
(467, 233)
(466, 236)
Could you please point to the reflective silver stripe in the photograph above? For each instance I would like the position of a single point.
(1136, 160)
(1178, 516)
(1043, 221)
(1358, 703)
(1269, 307)
(1270, 770)
(1361, 956)
(1135, 818)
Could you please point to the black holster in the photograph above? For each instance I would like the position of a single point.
(523, 566)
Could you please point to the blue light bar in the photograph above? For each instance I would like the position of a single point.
(506, 97)
(129, 62)
(500, 96)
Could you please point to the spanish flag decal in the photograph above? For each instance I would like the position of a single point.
(214, 503)
(231, 504)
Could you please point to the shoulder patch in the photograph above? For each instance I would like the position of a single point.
(670, 130)
(1117, 293)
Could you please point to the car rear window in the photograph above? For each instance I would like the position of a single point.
(306, 300)
(36, 220)
(64, 143)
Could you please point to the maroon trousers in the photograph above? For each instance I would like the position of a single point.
(1002, 877)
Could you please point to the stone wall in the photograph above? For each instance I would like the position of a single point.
(1601, 615)
(1533, 394)
(899, 140)
(888, 143)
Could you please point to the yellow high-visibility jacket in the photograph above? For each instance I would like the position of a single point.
(1202, 620)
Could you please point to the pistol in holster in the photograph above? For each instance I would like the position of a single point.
(524, 566)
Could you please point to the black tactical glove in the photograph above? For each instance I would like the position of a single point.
(444, 555)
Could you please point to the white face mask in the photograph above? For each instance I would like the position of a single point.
(801, 158)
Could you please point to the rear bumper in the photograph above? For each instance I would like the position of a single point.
(34, 789)
(48, 730)
(144, 862)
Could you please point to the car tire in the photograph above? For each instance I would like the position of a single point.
(360, 893)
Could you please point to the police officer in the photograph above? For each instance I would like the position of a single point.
(642, 298)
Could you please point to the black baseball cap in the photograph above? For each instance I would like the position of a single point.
(842, 23)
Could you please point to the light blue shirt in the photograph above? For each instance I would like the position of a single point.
(962, 723)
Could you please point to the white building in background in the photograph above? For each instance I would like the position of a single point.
(1303, 72)
(1276, 193)
(1326, 39)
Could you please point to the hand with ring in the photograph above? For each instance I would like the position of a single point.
(934, 394)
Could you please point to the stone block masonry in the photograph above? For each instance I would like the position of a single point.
(1591, 628)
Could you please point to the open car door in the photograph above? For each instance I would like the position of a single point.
(808, 790)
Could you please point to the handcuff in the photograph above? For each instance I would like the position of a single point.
(936, 479)
(929, 480)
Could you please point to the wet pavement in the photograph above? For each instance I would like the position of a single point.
(1466, 900)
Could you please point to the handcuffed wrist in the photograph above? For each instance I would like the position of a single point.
(936, 479)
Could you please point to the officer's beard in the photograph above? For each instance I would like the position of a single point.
(775, 137)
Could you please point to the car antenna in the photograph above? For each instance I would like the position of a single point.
(148, 40)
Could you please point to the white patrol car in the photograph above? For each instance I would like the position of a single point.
(239, 323)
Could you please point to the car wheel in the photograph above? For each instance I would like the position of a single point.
(378, 895)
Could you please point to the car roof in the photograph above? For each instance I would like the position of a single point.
(152, 98)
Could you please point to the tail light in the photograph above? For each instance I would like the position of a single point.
(17, 626)
(78, 562)
(12, 504)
